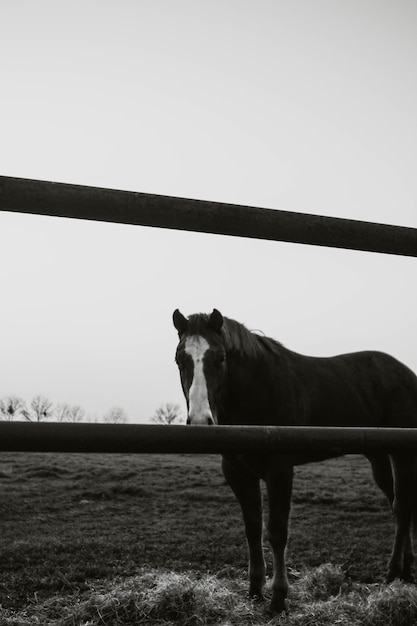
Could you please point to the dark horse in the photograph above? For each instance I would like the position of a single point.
(232, 376)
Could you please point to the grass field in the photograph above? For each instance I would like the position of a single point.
(70, 524)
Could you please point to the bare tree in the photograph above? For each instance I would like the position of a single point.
(77, 413)
(62, 412)
(11, 407)
(69, 413)
(167, 414)
(40, 409)
(115, 415)
(4, 415)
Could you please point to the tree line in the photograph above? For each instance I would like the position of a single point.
(42, 409)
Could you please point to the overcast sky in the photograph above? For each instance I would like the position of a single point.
(299, 105)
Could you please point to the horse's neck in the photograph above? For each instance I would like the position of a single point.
(247, 381)
(258, 389)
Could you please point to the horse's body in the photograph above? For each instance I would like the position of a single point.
(232, 376)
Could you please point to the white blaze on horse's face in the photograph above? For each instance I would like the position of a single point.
(199, 411)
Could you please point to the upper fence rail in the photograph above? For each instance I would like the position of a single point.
(126, 207)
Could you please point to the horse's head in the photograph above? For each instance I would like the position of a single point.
(201, 359)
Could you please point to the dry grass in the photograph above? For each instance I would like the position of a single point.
(354, 604)
(320, 597)
(112, 540)
(66, 520)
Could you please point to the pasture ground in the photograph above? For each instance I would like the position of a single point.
(74, 527)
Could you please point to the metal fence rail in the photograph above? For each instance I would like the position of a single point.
(126, 207)
(135, 438)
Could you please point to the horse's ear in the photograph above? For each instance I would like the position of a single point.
(216, 321)
(180, 322)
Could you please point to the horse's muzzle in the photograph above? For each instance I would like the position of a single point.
(205, 420)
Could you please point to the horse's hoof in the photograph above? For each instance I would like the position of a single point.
(278, 607)
(255, 591)
(256, 597)
(391, 576)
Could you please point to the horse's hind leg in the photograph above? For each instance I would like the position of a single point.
(408, 561)
(247, 489)
(404, 472)
(382, 473)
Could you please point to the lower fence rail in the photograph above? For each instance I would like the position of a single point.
(148, 438)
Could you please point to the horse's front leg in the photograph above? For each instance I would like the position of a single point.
(279, 485)
(246, 487)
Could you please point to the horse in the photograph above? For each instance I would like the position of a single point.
(230, 375)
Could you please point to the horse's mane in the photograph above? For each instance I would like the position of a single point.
(236, 337)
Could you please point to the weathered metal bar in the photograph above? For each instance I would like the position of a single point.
(135, 438)
(93, 203)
